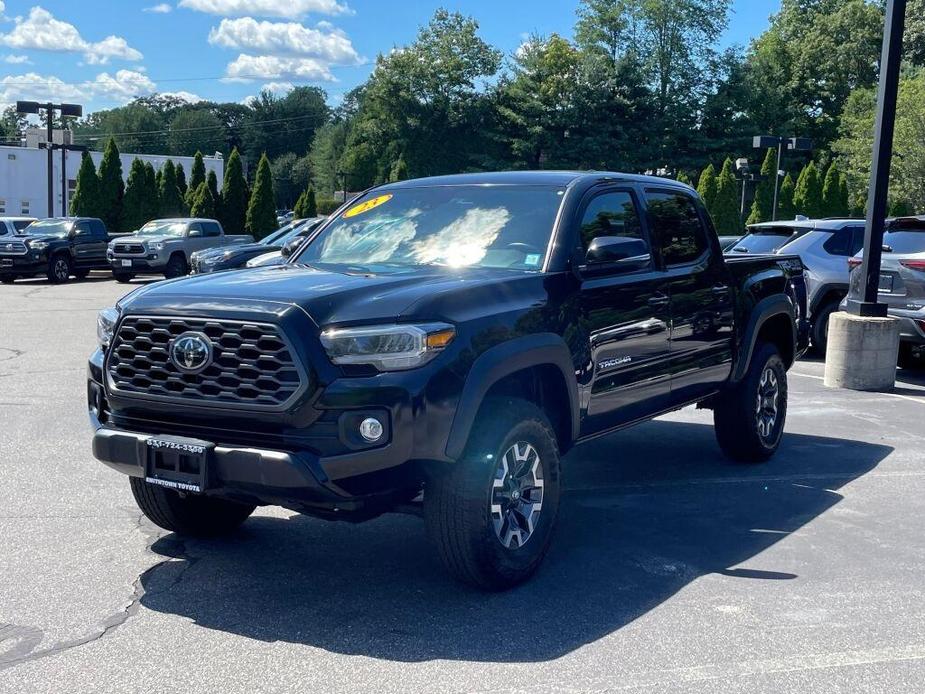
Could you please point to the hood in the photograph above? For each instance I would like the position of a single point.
(336, 298)
(134, 238)
(32, 239)
(235, 250)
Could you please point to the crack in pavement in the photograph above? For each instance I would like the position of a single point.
(27, 638)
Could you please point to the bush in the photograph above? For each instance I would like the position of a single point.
(327, 206)
(86, 199)
(112, 187)
(261, 211)
(233, 205)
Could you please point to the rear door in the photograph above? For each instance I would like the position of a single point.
(700, 285)
(623, 318)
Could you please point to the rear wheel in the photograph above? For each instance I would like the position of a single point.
(749, 418)
(820, 330)
(909, 358)
(176, 267)
(188, 514)
(59, 268)
(491, 515)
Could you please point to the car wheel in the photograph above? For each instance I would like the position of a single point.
(8, 279)
(491, 514)
(59, 268)
(81, 275)
(820, 330)
(909, 358)
(749, 418)
(123, 277)
(176, 267)
(188, 514)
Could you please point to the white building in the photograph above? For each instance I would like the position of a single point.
(24, 177)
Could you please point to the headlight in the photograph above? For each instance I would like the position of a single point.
(105, 325)
(157, 246)
(38, 245)
(387, 347)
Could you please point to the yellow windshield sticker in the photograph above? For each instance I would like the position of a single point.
(366, 206)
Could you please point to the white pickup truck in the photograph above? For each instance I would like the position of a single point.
(14, 225)
(164, 246)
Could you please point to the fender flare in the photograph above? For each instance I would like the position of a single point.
(764, 310)
(826, 290)
(503, 360)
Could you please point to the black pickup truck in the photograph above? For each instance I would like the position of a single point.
(437, 346)
(58, 248)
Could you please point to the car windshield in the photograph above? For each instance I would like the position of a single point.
(162, 228)
(280, 235)
(767, 240)
(905, 241)
(49, 227)
(455, 226)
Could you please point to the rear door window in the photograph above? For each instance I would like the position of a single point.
(211, 229)
(677, 227)
(839, 243)
(611, 214)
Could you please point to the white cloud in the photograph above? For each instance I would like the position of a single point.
(119, 88)
(162, 8)
(188, 97)
(267, 67)
(41, 31)
(290, 9)
(330, 46)
(17, 59)
(278, 88)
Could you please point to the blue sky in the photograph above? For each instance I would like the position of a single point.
(102, 53)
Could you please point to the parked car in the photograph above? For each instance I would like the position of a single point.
(10, 226)
(453, 336)
(58, 248)
(278, 257)
(164, 246)
(902, 284)
(824, 246)
(236, 257)
(284, 216)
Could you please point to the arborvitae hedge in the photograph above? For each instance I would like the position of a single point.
(197, 177)
(135, 204)
(233, 207)
(763, 205)
(86, 199)
(171, 203)
(726, 207)
(112, 187)
(706, 186)
(261, 212)
(785, 208)
(203, 202)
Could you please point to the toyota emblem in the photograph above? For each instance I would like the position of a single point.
(191, 352)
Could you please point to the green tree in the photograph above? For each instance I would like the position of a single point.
(831, 193)
(112, 186)
(261, 211)
(182, 185)
(706, 186)
(785, 206)
(311, 204)
(171, 202)
(726, 207)
(285, 184)
(151, 200)
(807, 196)
(193, 129)
(86, 199)
(197, 177)
(763, 205)
(203, 202)
(212, 182)
(134, 204)
(234, 200)
(324, 157)
(298, 210)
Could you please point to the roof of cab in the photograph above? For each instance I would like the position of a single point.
(526, 178)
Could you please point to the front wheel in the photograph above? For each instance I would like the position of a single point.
(909, 358)
(820, 330)
(8, 279)
(491, 515)
(59, 269)
(749, 417)
(176, 267)
(201, 516)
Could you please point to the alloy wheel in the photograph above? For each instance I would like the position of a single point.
(517, 495)
(62, 270)
(767, 406)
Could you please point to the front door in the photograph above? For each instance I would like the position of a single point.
(702, 310)
(623, 317)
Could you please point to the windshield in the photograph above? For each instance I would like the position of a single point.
(455, 226)
(162, 228)
(278, 236)
(905, 241)
(49, 227)
(767, 240)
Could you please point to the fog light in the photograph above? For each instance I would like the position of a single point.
(371, 429)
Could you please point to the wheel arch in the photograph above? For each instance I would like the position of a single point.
(537, 368)
(826, 294)
(771, 321)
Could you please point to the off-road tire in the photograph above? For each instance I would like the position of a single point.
(739, 410)
(907, 358)
(81, 275)
(458, 500)
(7, 279)
(820, 332)
(176, 266)
(197, 516)
(60, 268)
(123, 277)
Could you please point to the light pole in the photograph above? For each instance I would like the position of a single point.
(66, 110)
(796, 144)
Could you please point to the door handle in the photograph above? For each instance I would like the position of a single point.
(658, 300)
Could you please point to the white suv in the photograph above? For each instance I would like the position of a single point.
(824, 246)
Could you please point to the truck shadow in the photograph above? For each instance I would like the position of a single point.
(642, 519)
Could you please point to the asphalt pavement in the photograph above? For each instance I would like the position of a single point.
(672, 570)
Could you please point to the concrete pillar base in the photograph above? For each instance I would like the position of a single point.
(861, 352)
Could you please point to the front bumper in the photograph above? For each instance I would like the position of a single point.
(139, 265)
(23, 265)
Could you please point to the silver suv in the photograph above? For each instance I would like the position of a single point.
(902, 284)
(824, 246)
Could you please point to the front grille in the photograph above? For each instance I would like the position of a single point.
(253, 365)
(129, 248)
(13, 248)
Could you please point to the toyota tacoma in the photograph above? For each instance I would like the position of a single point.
(437, 347)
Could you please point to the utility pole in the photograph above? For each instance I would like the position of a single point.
(796, 144)
(66, 110)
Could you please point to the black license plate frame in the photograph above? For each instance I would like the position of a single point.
(178, 463)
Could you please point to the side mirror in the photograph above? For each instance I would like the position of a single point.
(291, 246)
(618, 249)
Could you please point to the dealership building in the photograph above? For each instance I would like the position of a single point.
(24, 173)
